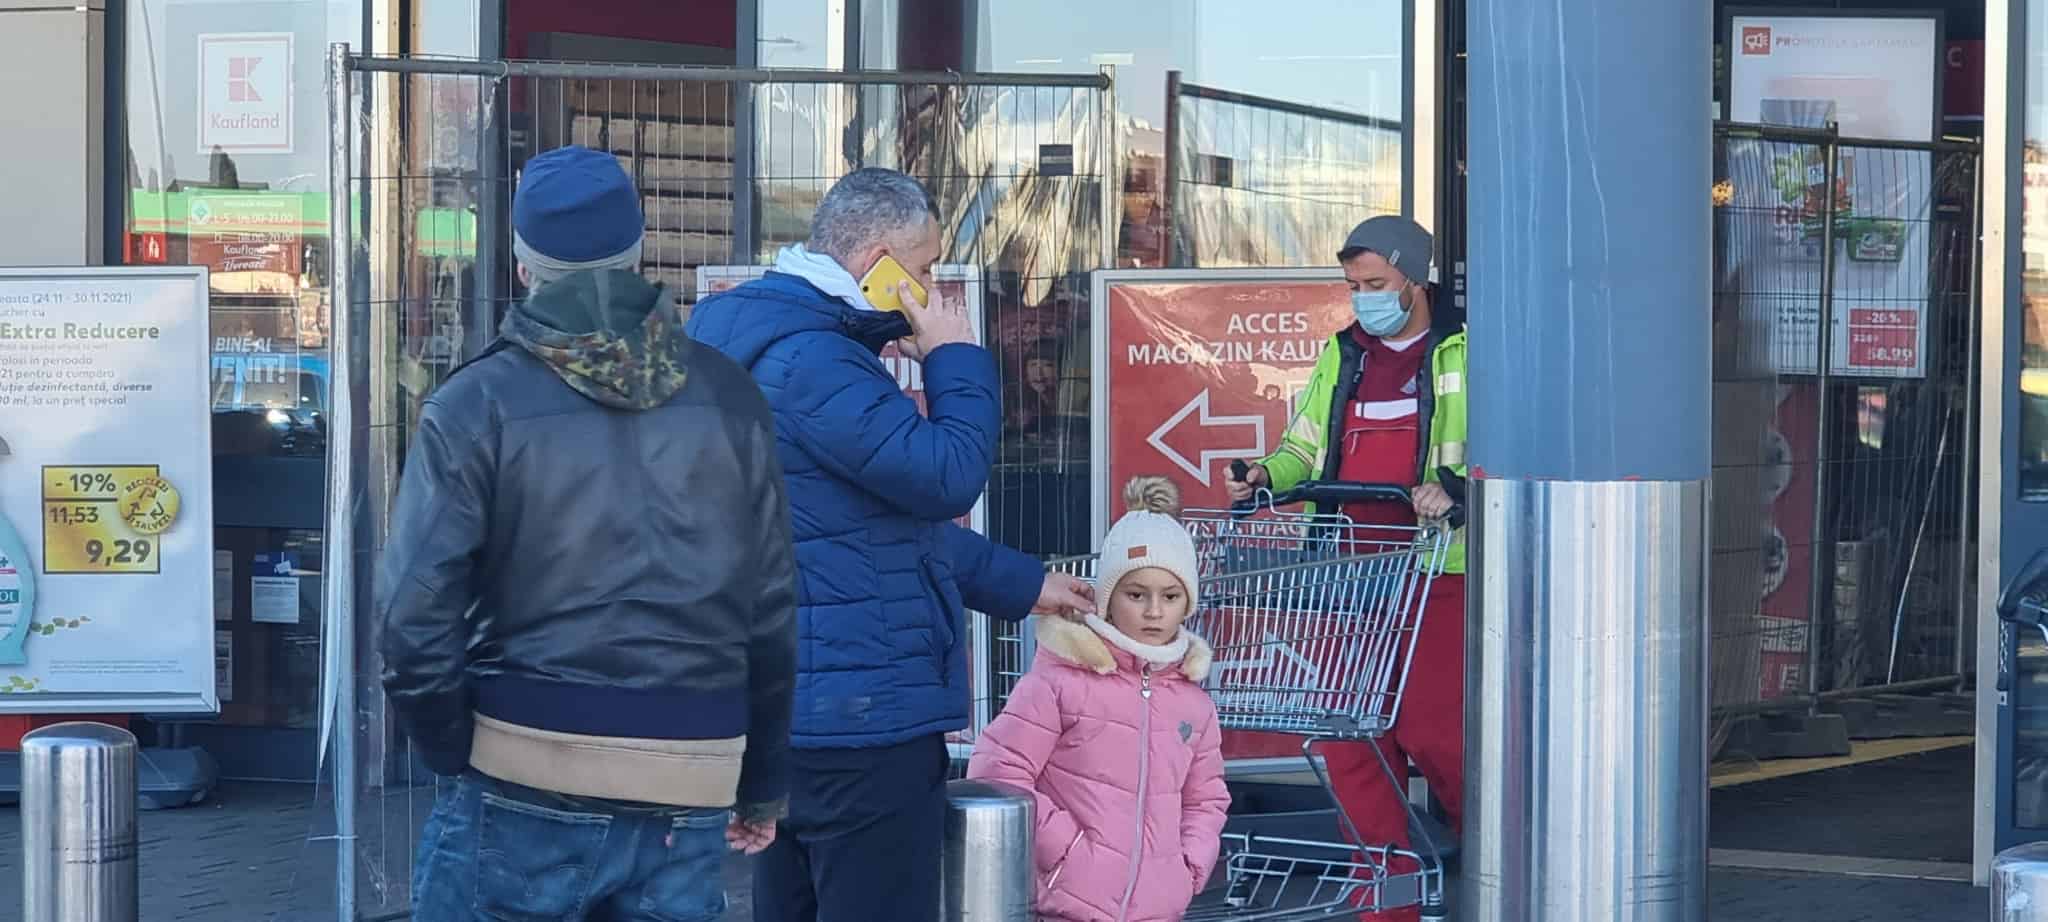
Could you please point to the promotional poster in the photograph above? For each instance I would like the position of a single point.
(106, 492)
(1872, 78)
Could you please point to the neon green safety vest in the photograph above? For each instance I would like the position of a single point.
(1304, 449)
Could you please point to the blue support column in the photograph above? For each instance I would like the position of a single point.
(1590, 249)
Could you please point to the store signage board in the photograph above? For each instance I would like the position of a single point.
(245, 93)
(1875, 77)
(1879, 74)
(959, 283)
(106, 488)
(1195, 369)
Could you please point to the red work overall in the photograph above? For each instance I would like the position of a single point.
(1381, 441)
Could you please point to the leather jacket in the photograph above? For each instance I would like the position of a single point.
(592, 538)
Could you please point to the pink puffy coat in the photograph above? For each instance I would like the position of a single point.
(1127, 762)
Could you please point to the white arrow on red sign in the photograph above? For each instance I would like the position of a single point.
(1206, 458)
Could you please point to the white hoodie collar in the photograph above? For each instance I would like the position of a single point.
(824, 272)
(1170, 653)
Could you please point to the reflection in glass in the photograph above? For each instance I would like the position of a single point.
(2030, 678)
(2033, 383)
(1308, 144)
(803, 33)
(2030, 730)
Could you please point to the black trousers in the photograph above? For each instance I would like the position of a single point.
(863, 837)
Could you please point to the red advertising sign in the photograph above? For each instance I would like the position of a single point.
(1962, 79)
(1884, 338)
(1195, 369)
(149, 248)
(1785, 621)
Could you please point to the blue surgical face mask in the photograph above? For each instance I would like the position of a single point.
(1379, 312)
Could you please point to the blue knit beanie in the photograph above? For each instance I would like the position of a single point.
(575, 208)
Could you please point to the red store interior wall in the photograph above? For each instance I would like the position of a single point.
(692, 22)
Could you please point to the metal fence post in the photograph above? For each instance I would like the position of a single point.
(1113, 166)
(1820, 605)
(1966, 551)
(1170, 173)
(78, 824)
(987, 875)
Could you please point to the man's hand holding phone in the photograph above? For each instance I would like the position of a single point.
(932, 325)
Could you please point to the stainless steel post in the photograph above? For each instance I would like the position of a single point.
(338, 670)
(1589, 387)
(78, 824)
(2019, 884)
(988, 875)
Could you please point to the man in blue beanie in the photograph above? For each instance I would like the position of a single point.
(588, 599)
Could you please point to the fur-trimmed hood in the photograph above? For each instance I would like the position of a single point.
(1099, 647)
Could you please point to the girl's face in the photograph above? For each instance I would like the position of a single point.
(1039, 374)
(1148, 606)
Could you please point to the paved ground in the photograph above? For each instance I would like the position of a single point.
(1925, 810)
(265, 853)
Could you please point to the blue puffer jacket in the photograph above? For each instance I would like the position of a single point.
(884, 576)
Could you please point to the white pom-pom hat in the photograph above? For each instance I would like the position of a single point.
(1149, 535)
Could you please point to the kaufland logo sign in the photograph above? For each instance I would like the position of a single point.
(245, 93)
(1756, 39)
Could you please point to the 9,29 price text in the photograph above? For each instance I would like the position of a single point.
(87, 529)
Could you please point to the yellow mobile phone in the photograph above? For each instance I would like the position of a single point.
(879, 285)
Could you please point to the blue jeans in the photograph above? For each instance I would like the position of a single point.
(497, 851)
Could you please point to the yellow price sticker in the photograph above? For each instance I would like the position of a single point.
(105, 518)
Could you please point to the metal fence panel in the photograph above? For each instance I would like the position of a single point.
(1252, 181)
(1842, 535)
(730, 164)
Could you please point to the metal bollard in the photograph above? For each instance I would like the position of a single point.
(2019, 884)
(78, 824)
(988, 874)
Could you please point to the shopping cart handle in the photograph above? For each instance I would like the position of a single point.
(1325, 493)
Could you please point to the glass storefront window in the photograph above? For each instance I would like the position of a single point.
(2029, 757)
(1351, 63)
(803, 33)
(227, 131)
(2033, 442)
(1308, 143)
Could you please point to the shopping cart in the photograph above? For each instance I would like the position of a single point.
(1314, 620)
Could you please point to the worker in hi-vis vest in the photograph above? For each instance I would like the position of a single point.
(1386, 404)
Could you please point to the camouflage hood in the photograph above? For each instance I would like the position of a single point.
(613, 336)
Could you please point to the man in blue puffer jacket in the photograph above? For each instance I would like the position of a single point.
(884, 575)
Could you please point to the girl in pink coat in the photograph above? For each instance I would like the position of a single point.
(1113, 732)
